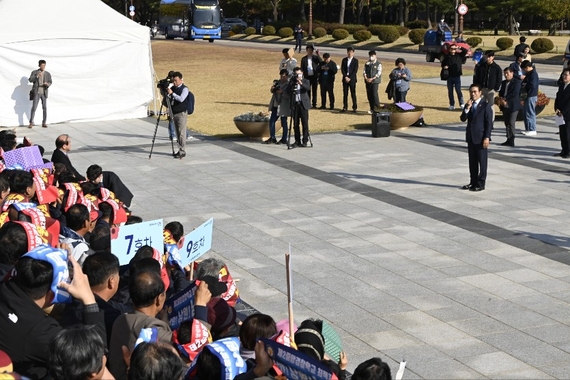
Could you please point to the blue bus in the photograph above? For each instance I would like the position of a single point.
(201, 19)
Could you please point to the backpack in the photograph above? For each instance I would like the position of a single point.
(190, 103)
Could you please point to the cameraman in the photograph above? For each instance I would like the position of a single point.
(178, 94)
(299, 88)
(279, 107)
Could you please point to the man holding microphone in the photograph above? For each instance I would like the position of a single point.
(479, 116)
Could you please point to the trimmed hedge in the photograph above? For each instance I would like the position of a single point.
(237, 29)
(362, 35)
(285, 32)
(417, 24)
(388, 33)
(474, 41)
(542, 45)
(374, 29)
(417, 36)
(268, 30)
(249, 31)
(319, 32)
(504, 43)
(340, 34)
(402, 30)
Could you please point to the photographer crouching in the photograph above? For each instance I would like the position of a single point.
(298, 88)
(178, 95)
(280, 107)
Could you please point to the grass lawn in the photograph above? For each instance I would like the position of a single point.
(230, 81)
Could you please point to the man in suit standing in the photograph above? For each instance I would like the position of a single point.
(479, 116)
(60, 155)
(299, 88)
(349, 69)
(327, 71)
(562, 108)
(310, 65)
(509, 103)
(41, 80)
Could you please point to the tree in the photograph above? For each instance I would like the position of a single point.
(341, 14)
(554, 10)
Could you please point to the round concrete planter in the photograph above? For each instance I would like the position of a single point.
(402, 120)
(256, 130)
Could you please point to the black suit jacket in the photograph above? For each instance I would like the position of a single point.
(305, 64)
(562, 101)
(58, 157)
(479, 123)
(350, 71)
(305, 88)
(112, 182)
(513, 94)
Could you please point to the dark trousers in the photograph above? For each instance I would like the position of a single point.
(477, 164)
(454, 83)
(565, 137)
(510, 120)
(298, 42)
(400, 96)
(327, 88)
(302, 115)
(372, 95)
(352, 87)
(35, 102)
(313, 93)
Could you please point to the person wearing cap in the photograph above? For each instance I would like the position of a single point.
(489, 76)
(372, 77)
(530, 84)
(309, 65)
(327, 71)
(521, 46)
(79, 222)
(349, 70)
(288, 62)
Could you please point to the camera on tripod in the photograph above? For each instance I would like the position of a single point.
(276, 82)
(163, 84)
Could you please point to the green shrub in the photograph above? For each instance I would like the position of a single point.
(285, 32)
(340, 34)
(474, 41)
(402, 30)
(249, 31)
(319, 32)
(388, 33)
(417, 24)
(352, 28)
(362, 35)
(374, 29)
(237, 29)
(417, 36)
(542, 45)
(504, 43)
(268, 30)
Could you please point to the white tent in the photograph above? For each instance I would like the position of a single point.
(100, 61)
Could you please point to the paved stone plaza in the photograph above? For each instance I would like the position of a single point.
(385, 245)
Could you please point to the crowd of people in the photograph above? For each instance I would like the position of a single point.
(70, 311)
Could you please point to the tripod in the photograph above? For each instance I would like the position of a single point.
(165, 100)
(294, 115)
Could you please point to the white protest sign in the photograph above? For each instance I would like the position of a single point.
(197, 242)
(126, 240)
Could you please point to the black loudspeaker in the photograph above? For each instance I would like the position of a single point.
(381, 124)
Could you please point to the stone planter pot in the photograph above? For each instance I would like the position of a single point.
(402, 120)
(256, 130)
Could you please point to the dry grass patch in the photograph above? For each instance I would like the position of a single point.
(230, 81)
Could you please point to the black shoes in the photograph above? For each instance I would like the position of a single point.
(270, 141)
(509, 142)
(282, 141)
(562, 155)
(466, 187)
(472, 188)
(180, 155)
(322, 108)
(343, 110)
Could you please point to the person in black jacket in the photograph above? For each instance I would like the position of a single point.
(60, 155)
(453, 62)
(327, 71)
(26, 329)
(309, 66)
(299, 88)
(530, 84)
(489, 77)
(562, 108)
(349, 69)
(520, 47)
(510, 103)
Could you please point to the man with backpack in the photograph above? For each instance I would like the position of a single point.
(180, 98)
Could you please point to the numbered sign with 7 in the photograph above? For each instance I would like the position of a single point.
(126, 240)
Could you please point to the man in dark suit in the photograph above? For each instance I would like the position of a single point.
(309, 65)
(349, 69)
(479, 116)
(510, 103)
(327, 71)
(60, 155)
(562, 108)
(299, 88)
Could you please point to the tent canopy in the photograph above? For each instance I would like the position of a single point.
(99, 60)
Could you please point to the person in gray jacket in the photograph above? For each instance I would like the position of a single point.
(41, 80)
(401, 77)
